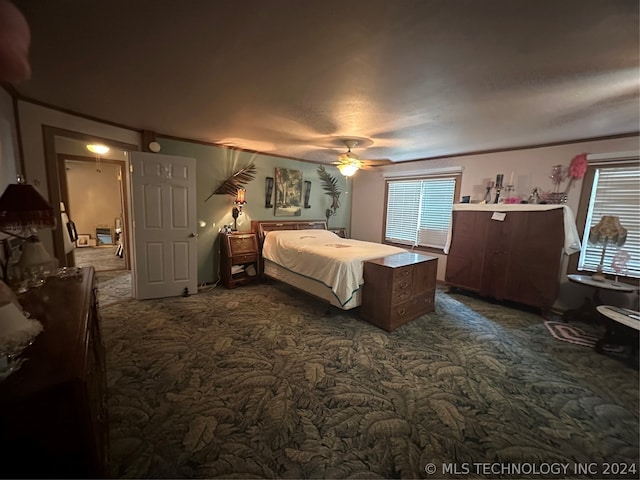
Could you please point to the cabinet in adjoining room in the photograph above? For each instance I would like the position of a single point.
(508, 252)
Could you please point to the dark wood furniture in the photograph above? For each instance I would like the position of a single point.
(340, 231)
(398, 288)
(239, 249)
(517, 258)
(587, 311)
(262, 227)
(53, 415)
(622, 331)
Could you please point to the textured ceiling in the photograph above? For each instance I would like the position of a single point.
(411, 78)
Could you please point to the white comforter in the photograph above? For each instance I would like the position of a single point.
(325, 257)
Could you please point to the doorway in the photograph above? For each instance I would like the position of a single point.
(95, 199)
(57, 141)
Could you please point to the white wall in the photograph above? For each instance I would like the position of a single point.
(99, 205)
(531, 168)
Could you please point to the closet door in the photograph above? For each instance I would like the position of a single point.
(533, 270)
(501, 237)
(466, 252)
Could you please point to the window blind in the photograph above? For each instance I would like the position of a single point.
(419, 211)
(615, 191)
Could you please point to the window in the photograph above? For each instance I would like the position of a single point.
(419, 210)
(611, 188)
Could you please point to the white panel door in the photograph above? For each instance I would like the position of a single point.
(164, 225)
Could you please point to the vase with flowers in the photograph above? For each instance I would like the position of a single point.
(577, 169)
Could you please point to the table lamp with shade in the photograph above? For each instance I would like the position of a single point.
(607, 231)
(22, 211)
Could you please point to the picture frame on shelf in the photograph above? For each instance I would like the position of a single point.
(83, 240)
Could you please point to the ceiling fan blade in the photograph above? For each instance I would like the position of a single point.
(376, 162)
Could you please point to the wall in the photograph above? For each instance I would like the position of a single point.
(32, 118)
(530, 167)
(98, 205)
(8, 142)
(8, 147)
(216, 164)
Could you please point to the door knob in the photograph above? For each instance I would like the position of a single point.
(193, 235)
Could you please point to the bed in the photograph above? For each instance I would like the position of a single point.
(307, 256)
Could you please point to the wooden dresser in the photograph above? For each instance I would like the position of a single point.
(53, 415)
(398, 288)
(239, 250)
(508, 252)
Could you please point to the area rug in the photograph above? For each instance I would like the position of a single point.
(571, 334)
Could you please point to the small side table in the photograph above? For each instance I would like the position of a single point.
(623, 329)
(340, 231)
(239, 250)
(587, 311)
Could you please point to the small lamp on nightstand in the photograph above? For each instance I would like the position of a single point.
(237, 210)
(607, 231)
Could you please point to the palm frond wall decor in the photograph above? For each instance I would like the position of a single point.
(238, 180)
(330, 186)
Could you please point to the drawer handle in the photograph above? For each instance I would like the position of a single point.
(402, 311)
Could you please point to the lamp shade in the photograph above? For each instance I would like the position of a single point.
(608, 231)
(240, 196)
(21, 206)
(33, 253)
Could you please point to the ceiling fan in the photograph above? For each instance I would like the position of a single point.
(348, 162)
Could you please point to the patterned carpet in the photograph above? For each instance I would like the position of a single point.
(265, 382)
(101, 258)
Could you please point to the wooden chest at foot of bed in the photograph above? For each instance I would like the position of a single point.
(398, 288)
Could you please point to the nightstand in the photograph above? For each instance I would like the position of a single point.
(238, 259)
(341, 232)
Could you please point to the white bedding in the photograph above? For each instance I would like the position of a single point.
(325, 257)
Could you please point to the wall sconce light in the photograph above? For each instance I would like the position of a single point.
(237, 210)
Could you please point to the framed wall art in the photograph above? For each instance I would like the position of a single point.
(83, 240)
(288, 193)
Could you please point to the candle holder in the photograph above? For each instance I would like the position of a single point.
(509, 189)
(498, 190)
(487, 195)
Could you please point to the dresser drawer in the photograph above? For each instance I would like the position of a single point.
(407, 311)
(239, 244)
(238, 259)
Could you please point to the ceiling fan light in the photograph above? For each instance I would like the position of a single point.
(348, 169)
(347, 157)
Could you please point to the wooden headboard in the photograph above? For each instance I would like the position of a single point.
(262, 227)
